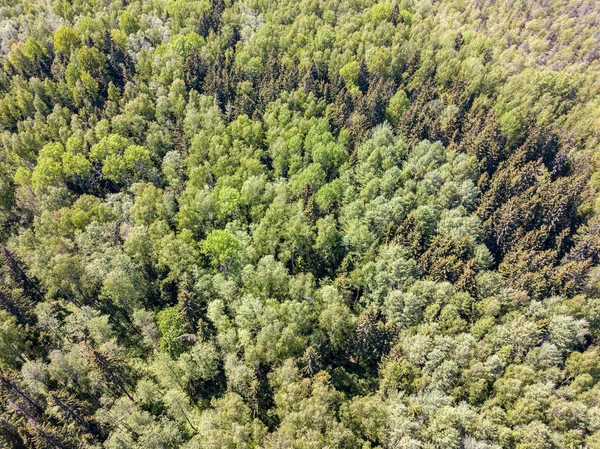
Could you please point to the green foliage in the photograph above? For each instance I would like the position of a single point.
(398, 104)
(171, 325)
(66, 39)
(128, 23)
(222, 248)
(349, 73)
(299, 224)
(13, 343)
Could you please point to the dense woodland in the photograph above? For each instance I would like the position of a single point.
(299, 224)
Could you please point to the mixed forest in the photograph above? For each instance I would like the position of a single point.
(299, 224)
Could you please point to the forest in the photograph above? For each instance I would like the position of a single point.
(299, 224)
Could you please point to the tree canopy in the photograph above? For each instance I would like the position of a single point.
(299, 224)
